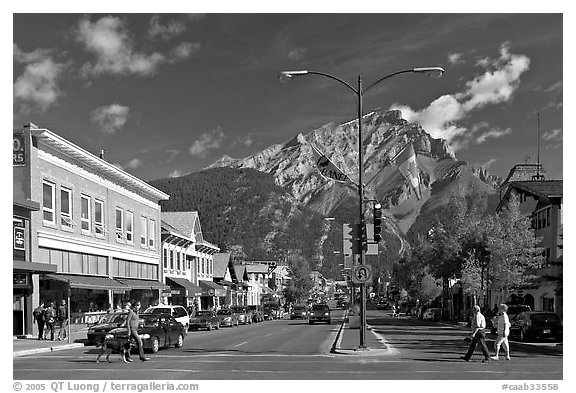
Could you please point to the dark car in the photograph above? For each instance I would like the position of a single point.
(536, 325)
(513, 311)
(227, 317)
(244, 314)
(299, 312)
(112, 320)
(257, 315)
(156, 330)
(205, 319)
(269, 313)
(319, 313)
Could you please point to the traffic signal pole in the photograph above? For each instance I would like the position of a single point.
(362, 220)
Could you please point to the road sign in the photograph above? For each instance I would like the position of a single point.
(362, 274)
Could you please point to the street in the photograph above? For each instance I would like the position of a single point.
(292, 349)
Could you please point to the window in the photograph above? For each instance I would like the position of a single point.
(171, 259)
(143, 233)
(48, 202)
(178, 265)
(151, 233)
(85, 213)
(130, 227)
(119, 225)
(99, 217)
(165, 259)
(66, 208)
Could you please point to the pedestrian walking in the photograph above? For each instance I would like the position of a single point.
(62, 316)
(132, 322)
(478, 336)
(503, 330)
(50, 319)
(38, 315)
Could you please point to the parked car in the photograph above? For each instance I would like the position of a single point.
(319, 313)
(299, 312)
(226, 317)
(178, 312)
(383, 305)
(269, 313)
(257, 315)
(244, 314)
(156, 330)
(513, 311)
(112, 320)
(433, 314)
(536, 325)
(205, 319)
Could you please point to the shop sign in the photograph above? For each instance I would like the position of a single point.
(21, 279)
(175, 292)
(19, 243)
(19, 150)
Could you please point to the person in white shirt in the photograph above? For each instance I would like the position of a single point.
(478, 336)
(503, 329)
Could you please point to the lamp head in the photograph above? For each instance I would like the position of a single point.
(285, 76)
(433, 72)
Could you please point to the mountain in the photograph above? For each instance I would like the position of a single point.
(259, 206)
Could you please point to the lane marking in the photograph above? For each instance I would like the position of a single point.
(245, 342)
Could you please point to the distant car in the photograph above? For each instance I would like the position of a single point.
(227, 317)
(432, 314)
(205, 319)
(319, 313)
(178, 312)
(156, 330)
(244, 315)
(112, 320)
(257, 315)
(269, 313)
(299, 312)
(536, 325)
(383, 306)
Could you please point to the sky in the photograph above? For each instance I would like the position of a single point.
(168, 94)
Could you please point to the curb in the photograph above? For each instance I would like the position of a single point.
(46, 349)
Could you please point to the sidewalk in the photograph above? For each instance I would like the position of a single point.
(31, 345)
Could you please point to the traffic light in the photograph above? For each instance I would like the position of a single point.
(363, 237)
(355, 234)
(377, 222)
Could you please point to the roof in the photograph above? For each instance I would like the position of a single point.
(250, 269)
(240, 271)
(221, 261)
(544, 191)
(183, 222)
(60, 144)
(524, 172)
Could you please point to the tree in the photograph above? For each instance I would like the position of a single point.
(300, 280)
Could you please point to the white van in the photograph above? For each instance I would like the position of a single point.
(178, 312)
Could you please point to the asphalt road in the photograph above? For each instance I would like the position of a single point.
(294, 350)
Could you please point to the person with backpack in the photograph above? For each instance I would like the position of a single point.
(62, 316)
(50, 319)
(38, 315)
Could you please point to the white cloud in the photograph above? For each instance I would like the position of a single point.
(37, 87)
(109, 40)
(175, 173)
(455, 58)
(488, 163)
(553, 135)
(172, 29)
(493, 87)
(207, 141)
(493, 133)
(185, 50)
(134, 163)
(297, 54)
(110, 118)
(172, 153)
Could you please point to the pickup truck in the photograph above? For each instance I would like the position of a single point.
(319, 313)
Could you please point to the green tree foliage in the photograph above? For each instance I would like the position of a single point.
(300, 281)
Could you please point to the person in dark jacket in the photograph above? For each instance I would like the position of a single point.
(38, 315)
(132, 322)
(50, 319)
(62, 315)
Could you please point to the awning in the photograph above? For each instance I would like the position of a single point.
(191, 288)
(88, 282)
(134, 283)
(210, 288)
(34, 267)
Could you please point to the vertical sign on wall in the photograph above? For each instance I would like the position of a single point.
(19, 150)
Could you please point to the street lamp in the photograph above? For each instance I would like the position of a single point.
(434, 72)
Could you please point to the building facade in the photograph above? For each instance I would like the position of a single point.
(96, 225)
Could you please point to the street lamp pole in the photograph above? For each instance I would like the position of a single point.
(359, 92)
